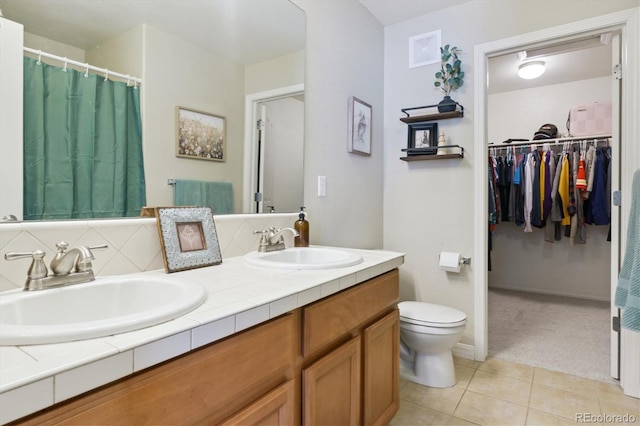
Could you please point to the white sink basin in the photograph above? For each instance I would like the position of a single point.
(103, 307)
(304, 258)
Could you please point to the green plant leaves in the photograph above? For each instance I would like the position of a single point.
(450, 77)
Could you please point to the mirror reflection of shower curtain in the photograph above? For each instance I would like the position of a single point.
(82, 145)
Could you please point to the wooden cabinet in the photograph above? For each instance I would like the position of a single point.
(351, 347)
(332, 362)
(205, 386)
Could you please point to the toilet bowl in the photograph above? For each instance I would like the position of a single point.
(428, 332)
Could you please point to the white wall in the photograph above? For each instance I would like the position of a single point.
(344, 57)
(428, 205)
(177, 73)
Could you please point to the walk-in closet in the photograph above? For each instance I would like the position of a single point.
(549, 276)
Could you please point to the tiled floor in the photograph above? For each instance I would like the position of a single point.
(497, 392)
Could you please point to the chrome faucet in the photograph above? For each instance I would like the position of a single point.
(272, 239)
(68, 267)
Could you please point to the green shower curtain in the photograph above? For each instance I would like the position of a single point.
(82, 145)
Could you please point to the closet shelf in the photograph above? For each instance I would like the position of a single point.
(549, 141)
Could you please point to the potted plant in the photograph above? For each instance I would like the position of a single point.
(450, 77)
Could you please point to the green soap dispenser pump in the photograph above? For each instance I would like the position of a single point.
(302, 226)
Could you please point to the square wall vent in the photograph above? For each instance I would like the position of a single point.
(424, 49)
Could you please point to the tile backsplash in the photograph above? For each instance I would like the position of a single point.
(134, 244)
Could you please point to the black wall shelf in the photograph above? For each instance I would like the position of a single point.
(436, 156)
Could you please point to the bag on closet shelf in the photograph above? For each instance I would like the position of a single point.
(590, 119)
(546, 131)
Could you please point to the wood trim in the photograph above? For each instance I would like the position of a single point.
(275, 408)
(328, 320)
(331, 387)
(381, 378)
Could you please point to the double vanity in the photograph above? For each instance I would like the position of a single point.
(295, 336)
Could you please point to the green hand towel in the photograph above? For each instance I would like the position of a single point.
(217, 195)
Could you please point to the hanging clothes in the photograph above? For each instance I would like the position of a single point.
(561, 192)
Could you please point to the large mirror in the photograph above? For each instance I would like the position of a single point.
(239, 59)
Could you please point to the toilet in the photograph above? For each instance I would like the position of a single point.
(428, 332)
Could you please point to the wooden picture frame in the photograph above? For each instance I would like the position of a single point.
(359, 138)
(188, 238)
(200, 135)
(422, 138)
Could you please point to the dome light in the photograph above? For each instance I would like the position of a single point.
(531, 70)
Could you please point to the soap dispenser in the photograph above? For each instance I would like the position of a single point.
(302, 226)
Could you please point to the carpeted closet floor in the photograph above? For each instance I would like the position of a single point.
(558, 333)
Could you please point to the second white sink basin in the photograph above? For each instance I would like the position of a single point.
(304, 258)
(106, 306)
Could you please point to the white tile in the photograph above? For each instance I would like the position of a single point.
(141, 248)
(252, 317)
(213, 331)
(161, 350)
(308, 296)
(90, 376)
(12, 357)
(330, 288)
(348, 281)
(26, 400)
(283, 305)
(8, 231)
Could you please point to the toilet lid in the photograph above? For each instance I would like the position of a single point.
(431, 315)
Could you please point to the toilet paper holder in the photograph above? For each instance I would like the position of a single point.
(463, 260)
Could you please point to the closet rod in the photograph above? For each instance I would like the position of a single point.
(84, 66)
(558, 141)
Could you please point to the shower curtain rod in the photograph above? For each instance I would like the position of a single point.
(85, 66)
(559, 141)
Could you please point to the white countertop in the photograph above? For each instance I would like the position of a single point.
(239, 296)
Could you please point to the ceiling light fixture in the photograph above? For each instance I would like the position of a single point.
(530, 70)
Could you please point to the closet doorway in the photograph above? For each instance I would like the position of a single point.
(624, 113)
(549, 288)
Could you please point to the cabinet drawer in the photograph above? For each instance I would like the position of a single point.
(331, 318)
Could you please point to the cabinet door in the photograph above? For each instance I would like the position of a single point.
(331, 387)
(275, 408)
(381, 370)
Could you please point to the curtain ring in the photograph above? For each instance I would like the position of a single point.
(128, 80)
(86, 72)
(65, 65)
(39, 57)
(106, 74)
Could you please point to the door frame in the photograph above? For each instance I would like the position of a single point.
(251, 115)
(627, 22)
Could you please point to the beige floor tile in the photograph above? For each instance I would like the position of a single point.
(562, 403)
(484, 410)
(463, 376)
(540, 418)
(613, 399)
(444, 400)
(507, 368)
(470, 363)
(411, 414)
(564, 381)
(454, 421)
(501, 387)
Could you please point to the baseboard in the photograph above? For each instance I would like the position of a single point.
(465, 351)
(550, 292)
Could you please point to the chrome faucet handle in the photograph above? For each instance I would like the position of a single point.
(38, 269)
(262, 245)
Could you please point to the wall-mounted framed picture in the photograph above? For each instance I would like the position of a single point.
(188, 238)
(200, 135)
(359, 139)
(422, 138)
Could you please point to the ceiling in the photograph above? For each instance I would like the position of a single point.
(244, 31)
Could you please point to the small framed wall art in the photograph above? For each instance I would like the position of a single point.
(359, 139)
(188, 238)
(422, 138)
(200, 135)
